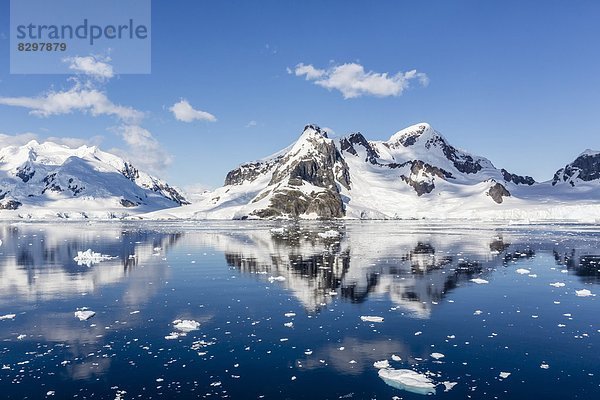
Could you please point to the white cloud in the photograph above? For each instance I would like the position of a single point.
(183, 111)
(251, 124)
(352, 80)
(76, 142)
(308, 70)
(16, 140)
(93, 66)
(79, 98)
(143, 149)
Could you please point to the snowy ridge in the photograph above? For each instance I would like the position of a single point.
(48, 180)
(416, 173)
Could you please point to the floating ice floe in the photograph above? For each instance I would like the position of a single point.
(557, 284)
(477, 312)
(544, 366)
(381, 364)
(289, 314)
(504, 375)
(7, 316)
(330, 234)
(523, 271)
(409, 380)
(89, 257)
(437, 356)
(448, 385)
(371, 318)
(396, 358)
(186, 325)
(84, 315)
(584, 293)
(479, 281)
(276, 278)
(289, 324)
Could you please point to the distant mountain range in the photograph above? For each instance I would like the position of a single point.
(47, 180)
(417, 173)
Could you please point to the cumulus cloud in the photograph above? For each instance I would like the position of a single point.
(251, 124)
(93, 66)
(183, 111)
(79, 98)
(16, 140)
(353, 81)
(143, 149)
(76, 142)
(24, 138)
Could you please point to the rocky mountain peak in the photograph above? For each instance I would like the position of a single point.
(585, 168)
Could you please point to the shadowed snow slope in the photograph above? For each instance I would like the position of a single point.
(48, 180)
(417, 173)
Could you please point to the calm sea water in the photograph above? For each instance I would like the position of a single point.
(279, 310)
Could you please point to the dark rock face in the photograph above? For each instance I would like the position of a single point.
(465, 163)
(357, 139)
(249, 172)
(320, 164)
(517, 179)
(427, 171)
(497, 192)
(128, 203)
(585, 167)
(410, 139)
(10, 205)
(50, 181)
(130, 172)
(421, 187)
(293, 203)
(25, 173)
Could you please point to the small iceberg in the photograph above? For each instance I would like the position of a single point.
(7, 316)
(330, 234)
(523, 271)
(84, 315)
(371, 318)
(276, 278)
(381, 364)
(479, 281)
(406, 379)
(583, 293)
(437, 356)
(89, 257)
(186, 325)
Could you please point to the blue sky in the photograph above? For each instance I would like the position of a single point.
(517, 82)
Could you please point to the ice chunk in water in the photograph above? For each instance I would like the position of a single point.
(381, 364)
(371, 318)
(409, 380)
(84, 315)
(330, 234)
(7, 316)
(89, 257)
(523, 271)
(276, 278)
(584, 293)
(479, 281)
(186, 325)
(557, 284)
(504, 375)
(437, 356)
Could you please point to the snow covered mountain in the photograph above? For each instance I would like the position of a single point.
(417, 173)
(47, 180)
